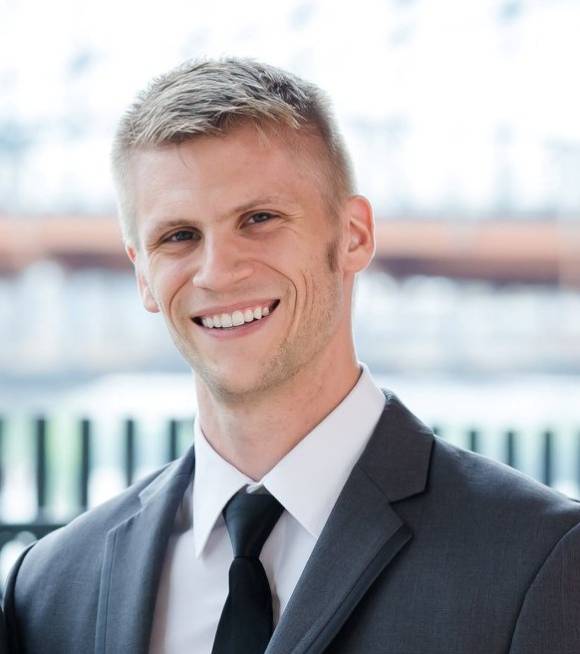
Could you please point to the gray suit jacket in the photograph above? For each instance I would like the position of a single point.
(429, 549)
(3, 646)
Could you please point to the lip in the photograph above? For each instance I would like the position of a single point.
(230, 308)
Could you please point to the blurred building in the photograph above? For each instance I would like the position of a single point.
(462, 119)
(460, 116)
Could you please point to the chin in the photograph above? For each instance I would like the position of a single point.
(229, 385)
(222, 379)
(236, 386)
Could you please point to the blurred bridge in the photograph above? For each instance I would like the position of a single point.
(500, 251)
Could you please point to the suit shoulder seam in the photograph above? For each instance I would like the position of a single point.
(534, 578)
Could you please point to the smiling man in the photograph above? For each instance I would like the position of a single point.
(314, 512)
(252, 268)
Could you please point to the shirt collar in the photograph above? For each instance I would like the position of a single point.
(215, 481)
(308, 480)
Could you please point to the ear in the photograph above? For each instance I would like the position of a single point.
(359, 234)
(147, 298)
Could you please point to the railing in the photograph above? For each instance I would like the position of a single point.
(176, 439)
(43, 521)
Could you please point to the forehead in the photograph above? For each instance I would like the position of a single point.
(210, 173)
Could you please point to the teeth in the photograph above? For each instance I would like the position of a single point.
(236, 318)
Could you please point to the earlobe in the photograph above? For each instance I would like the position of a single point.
(147, 298)
(131, 253)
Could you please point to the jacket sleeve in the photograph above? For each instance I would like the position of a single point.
(10, 623)
(3, 643)
(549, 618)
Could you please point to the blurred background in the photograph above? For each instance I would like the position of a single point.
(463, 122)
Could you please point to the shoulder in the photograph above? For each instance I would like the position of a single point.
(497, 503)
(68, 563)
(466, 482)
(464, 499)
(80, 543)
(485, 480)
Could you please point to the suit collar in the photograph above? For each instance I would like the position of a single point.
(398, 453)
(163, 482)
(362, 536)
(133, 561)
(309, 479)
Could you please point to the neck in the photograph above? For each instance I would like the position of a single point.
(254, 435)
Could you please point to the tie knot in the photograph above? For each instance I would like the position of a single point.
(250, 517)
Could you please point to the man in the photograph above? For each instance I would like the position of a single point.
(312, 502)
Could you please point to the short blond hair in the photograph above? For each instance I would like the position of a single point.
(211, 97)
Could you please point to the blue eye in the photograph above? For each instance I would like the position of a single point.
(261, 217)
(181, 235)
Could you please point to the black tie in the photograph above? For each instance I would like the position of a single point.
(245, 626)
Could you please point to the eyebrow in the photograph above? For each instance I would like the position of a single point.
(260, 200)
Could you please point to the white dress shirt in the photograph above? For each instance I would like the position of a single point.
(307, 482)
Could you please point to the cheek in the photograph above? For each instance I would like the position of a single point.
(168, 284)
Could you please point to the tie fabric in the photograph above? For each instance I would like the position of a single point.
(246, 622)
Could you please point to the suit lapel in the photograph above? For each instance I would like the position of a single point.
(362, 536)
(357, 543)
(133, 561)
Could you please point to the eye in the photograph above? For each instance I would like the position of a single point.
(182, 235)
(260, 217)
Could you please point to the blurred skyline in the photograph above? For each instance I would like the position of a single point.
(462, 119)
(453, 111)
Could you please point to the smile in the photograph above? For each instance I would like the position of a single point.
(237, 318)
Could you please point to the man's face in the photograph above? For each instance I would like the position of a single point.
(232, 228)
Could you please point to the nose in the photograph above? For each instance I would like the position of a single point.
(222, 264)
